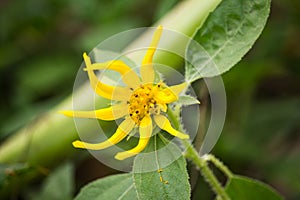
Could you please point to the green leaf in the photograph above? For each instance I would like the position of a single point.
(226, 36)
(10, 175)
(165, 156)
(240, 187)
(59, 185)
(187, 100)
(119, 187)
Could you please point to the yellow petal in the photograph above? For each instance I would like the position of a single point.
(163, 107)
(110, 113)
(151, 50)
(147, 71)
(112, 92)
(124, 128)
(87, 60)
(177, 89)
(128, 75)
(106, 91)
(165, 96)
(145, 134)
(163, 123)
(116, 65)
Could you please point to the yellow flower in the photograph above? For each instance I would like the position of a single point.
(139, 103)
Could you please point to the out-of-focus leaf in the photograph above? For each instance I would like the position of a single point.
(267, 122)
(227, 35)
(45, 75)
(113, 187)
(270, 138)
(106, 31)
(12, 177)
(59, 185)
(147, 178)
(243, 188)
(8, 172)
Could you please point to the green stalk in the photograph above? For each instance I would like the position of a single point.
(219, 164)
(206, 172)
(48, 140)
(201, 162)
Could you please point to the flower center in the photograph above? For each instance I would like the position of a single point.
(142, 102)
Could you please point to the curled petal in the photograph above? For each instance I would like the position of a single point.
(87, 60)
(125, 127)
(106, 91)
(147, 71)
(165, 124)
(110, 113)
(145, 134)
(111, 92)
(166, 96)
(177, 89)
(151, 50)
(116, 65)
(128, 75)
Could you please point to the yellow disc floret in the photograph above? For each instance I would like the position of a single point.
(143, 102)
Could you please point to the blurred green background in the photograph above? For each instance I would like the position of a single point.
(41, 50)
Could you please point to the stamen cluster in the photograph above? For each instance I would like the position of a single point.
(143, 102)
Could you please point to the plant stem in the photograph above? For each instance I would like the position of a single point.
(200, 162)
(219, 164)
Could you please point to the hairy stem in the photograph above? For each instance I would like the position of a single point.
(209, 176)
(219, 164)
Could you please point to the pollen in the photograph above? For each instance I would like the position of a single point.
(142, 102)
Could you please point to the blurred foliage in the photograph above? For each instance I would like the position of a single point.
(41, 45)
(60, 185)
